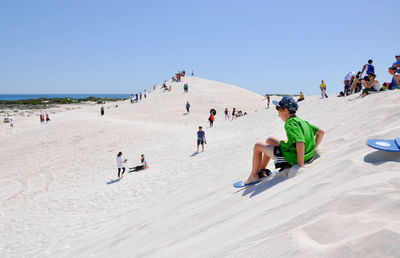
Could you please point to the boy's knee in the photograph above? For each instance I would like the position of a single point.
(272, 141)
(259, 145)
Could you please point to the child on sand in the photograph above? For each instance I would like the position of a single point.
(120, 165)
(323, 90)
(201, 138)
(211, 119)
(143, 165)
(268, 100)
(303, 139)
(233, 113)
(187, 106)
(226, 113)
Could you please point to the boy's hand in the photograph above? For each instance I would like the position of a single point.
(300, 153)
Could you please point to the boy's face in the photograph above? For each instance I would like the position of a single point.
(283, 113)
(200, 129)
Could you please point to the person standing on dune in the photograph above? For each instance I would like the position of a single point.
(211, 119)
(201, 138)
(120, 165)
(187, 107)
(226, 113)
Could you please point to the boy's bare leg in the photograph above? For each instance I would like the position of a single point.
(265, 160)
(202, 147)
(259, 149)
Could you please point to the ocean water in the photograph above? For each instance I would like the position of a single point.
(74, 96)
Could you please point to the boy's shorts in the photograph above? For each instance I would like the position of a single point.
(200, 141)
(280, 161)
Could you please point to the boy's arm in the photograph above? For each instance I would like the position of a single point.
(318, 137)
(300, 153)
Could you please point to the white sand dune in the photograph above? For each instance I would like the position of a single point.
(58, 199)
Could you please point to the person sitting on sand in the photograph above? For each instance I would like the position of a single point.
(143, 165)
(302, 140)
(102, 111)
(301, 97)
(201, 138)
(370, 86)
(120, 165)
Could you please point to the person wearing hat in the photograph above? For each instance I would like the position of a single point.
(396, 76)
(302, 140)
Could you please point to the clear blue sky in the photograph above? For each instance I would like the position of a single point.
(127, 46)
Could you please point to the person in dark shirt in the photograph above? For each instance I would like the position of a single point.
(201, 138)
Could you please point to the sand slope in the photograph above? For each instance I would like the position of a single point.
(58, 199)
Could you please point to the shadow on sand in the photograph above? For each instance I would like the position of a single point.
(195, 154)
(185, 114)
(380, 157)
(112, 181)
(269, 183)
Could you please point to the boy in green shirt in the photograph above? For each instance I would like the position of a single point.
(303, 139)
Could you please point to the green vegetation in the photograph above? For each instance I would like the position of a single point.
(45, 101)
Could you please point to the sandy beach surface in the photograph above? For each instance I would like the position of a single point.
(60, 198)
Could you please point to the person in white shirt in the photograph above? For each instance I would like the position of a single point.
(120, 165)
(143, 165)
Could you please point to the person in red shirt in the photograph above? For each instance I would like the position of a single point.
(211, 119)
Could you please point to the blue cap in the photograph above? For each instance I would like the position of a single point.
(286, 102)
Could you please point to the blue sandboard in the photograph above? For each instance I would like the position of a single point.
(241, 184)
(385, 145)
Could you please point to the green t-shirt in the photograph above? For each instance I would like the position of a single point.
(298, 130)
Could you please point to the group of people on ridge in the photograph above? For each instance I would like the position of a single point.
(354, 83)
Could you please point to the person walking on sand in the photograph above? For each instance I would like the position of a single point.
(226, 113)
(120, 164)
(102, 111)
(303, 139)
(41, 118)
(143, 165)
(47, 118)
(322, 86)
(211, 119)
(11, 123)
(140, 96)
(233, 113)
(187, 106)
(268, 100)
(201, 138)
